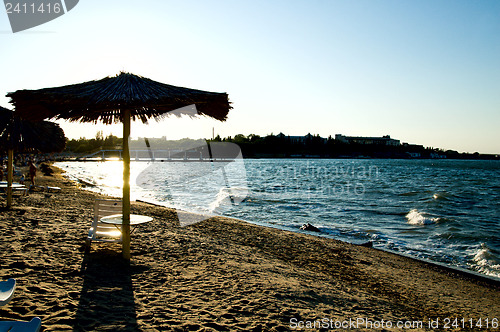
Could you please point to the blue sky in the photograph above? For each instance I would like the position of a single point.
(425, 72)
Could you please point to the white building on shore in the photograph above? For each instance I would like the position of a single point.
(384, 140)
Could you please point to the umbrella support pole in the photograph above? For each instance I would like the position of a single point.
(10, 171)
(126, 186)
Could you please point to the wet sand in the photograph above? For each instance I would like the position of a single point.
(217, 275)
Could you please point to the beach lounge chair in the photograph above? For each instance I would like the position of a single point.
(53, 189)
(7, 291)
(100, 231)
(16, 187)
(15, 326)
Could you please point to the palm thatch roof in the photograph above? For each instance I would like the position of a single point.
(26, 136)
(105, 99)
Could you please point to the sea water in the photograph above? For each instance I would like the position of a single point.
(443, 210)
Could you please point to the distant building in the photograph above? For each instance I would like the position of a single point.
(413, 146)
(414, 154)
(306, 138)
(384, 140)
(436, 155)
(297, 139)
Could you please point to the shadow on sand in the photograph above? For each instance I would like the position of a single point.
(107, 297)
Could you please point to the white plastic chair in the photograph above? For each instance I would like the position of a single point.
(7, 291)
(100, 231)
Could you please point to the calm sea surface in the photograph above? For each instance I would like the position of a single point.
(444, 210)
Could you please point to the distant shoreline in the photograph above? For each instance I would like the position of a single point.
(271, 146)
(79, 159)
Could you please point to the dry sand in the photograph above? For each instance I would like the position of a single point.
(217, 275)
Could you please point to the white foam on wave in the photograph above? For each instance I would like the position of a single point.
(229, 196)
(486, 262)
(419, 218)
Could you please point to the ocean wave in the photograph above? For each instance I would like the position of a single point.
(486, 262)
(419, 218)
(441, 196)
(229, 196)
(410, 193)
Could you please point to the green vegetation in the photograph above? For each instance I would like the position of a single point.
(85, 146)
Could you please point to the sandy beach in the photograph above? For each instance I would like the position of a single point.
(217, 275)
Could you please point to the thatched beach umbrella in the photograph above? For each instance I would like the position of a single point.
(26, 136)
(118, 99)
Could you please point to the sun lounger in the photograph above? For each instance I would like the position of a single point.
(48, 188)
(100, 231)
(15, 186)
(7, 291)
(15, 326)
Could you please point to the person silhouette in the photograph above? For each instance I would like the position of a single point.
(32, 173)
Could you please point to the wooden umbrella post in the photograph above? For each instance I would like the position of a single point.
(126, 186)
(10, 171)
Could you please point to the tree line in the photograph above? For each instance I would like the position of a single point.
(279, 146)
(315, 146)
(99, 142)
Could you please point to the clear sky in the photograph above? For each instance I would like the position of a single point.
(425, 72)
